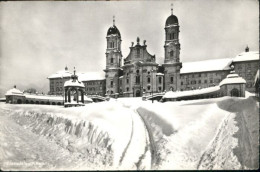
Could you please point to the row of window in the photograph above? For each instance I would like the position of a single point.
(199, 82)
(248, 65)
(111, 45)
(171, 36)
(94, 83)
(200, 75)
(148, 88)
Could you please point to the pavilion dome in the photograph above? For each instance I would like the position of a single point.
(232, 78)
(13, 91)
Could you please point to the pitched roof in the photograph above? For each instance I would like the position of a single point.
(90, 76)
(247, 56)
(206, 65)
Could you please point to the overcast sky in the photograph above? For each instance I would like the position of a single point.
(38, 39)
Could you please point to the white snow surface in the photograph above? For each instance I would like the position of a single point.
(13, 91)
(73, 84)
(131, 134)
(208, 65)
(247, 56)
(176, 94)
(232, 78)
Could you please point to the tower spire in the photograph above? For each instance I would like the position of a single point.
(172, 8)
(113, 20)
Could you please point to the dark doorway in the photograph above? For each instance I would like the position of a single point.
(234, 92)
(19, 101)
(137, 93)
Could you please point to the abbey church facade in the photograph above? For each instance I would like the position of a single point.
(138, 74)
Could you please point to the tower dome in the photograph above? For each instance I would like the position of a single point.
(113, 29)
(171, 20)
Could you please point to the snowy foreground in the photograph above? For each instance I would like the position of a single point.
(129, 133)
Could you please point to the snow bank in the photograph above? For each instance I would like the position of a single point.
(217, 133)
(199, 133)
(93, 129)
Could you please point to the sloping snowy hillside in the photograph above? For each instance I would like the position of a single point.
(129, 133)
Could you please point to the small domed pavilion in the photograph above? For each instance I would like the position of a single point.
(74, 91)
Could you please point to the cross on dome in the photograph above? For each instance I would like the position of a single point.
(172, 8)
(113, 20)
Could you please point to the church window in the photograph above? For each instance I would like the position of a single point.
(138, 53)
(205, 81)
(111, 83)
(171, 53)
(160, 80)
(127, 80)
(171, 79)
(199, 75)
(127, 88)
(159, 88)
(181, 83)
(148, 79)
(111, 60)
(148, 87)
(137, 79)
(199, 81)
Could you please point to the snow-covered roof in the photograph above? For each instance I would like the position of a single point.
(206, 65)
(232, 78)
(247, 56)
(13, 91)
(73, 84)
(60, 74)
(43, 97)
(90, 76)
(171, 94)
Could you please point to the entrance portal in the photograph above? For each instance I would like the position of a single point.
(137, 93)
(234, 92)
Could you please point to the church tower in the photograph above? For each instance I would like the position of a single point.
(172, 64)
(113, 60)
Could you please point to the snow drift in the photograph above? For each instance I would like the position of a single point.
(128, 133)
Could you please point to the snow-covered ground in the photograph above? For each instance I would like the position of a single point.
(130, 134)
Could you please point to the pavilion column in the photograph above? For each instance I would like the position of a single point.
(66, 94)
(69, 95)
(82, 96)
(77, 95)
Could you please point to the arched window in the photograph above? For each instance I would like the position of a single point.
(112, 60)
(148, 87)
(171, 53)
(160, 80)
(148, 79)
(137, 79)
(138, 53)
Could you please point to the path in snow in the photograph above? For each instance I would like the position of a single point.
(137, 153)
